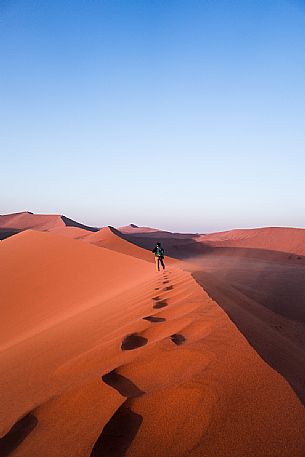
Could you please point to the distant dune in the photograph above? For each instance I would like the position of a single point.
(258, 277)
(100, 355)
(132, 228)
(148, 232)
(110, 238)
(270, 238)
(17, 222)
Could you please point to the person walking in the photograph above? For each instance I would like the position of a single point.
(159, 256)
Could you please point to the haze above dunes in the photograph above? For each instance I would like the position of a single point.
(103, 356)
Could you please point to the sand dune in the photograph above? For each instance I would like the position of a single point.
(153, 233)
(27, 220)
(132, 228)
(182, 247)
(266, 300)
(110, 238)
(75, 233)
(128, 361)
(282, 239)
(272, 243)
(77, 270)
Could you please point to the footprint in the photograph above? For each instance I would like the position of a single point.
(133, 341)
(177, 338)
(168, 288)
(118, 433)
(122, 384)
(156, 298)
(17, 434)
(157, 288)
(154, 319)
(160, 304)
(165, 282)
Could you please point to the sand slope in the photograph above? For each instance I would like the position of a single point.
(111, 238)
(148, 232)
(75, 233)
(128, 361)
(132, 228)
(27, 220)
(63, 277)
(284, 239)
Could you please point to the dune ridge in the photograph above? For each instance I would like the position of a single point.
(116, 344)
(284, 239)
(153, 233)
(111, 238)
(133, 228)
(17, 222)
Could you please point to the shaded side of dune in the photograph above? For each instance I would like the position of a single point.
(7, 232)
(188, 247)
(281, 349)
(71, 223)
(178, 248)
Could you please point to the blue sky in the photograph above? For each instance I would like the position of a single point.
(185, 115)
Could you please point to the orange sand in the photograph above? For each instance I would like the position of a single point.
(26, 220)
(132, 228)
(113, 358)
(71, 232)
(270, 238)
(109, 238)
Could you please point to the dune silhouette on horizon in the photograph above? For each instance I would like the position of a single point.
(25, 220)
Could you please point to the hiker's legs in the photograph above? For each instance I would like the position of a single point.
(162, 263)
(157, 263)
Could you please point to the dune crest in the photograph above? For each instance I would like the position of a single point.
(284, 239)
(125, 360)
(111, 238)
(132, 228)
(17, 222)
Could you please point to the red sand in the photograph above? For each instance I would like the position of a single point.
(132, 228)
(70, 271)
(153, 233)
(109, 238)
(26, 220)
(72, 232)
(270, 238)
(179, 379)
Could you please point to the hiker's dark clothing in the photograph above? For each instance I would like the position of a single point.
(159, 256)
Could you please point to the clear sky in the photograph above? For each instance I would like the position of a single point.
(187, 115)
